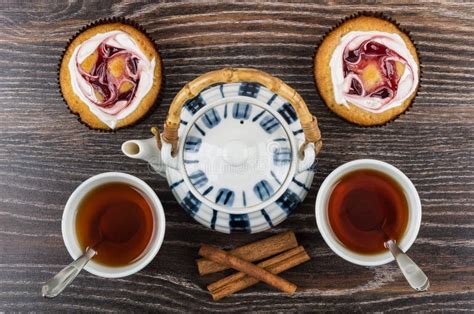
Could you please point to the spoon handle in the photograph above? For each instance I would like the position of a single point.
(61, 280)
(413, 274)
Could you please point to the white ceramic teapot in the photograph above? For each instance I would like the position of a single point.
(239, 157)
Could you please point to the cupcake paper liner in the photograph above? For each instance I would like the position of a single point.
(379, 15)
(125, 21)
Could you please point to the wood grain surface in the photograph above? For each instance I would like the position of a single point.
(45, 153)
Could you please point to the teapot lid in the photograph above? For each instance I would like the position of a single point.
(238, 153)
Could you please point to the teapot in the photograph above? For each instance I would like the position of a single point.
(238, 150)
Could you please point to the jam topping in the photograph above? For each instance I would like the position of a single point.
(114, 78)
(111, 74)
(372, 70)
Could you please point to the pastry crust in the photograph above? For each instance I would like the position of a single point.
(77, 106)
(322, 71)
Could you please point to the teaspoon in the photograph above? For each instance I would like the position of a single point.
(107, 232)
(61, 280)
(413, 274)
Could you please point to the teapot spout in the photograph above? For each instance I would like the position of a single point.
(146, 150)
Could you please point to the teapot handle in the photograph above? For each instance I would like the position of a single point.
(308, 159)
(167, 156)
(165, 150)
(232, 75)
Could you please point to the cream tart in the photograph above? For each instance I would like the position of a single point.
(110, 75)
(367, 70)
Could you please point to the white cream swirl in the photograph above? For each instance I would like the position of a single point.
(407, 82)
(85, 91)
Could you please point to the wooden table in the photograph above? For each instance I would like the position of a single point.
(45, 153)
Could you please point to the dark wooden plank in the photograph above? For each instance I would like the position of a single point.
(45, 154)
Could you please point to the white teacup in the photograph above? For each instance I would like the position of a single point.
(414, 211)
(69, 224)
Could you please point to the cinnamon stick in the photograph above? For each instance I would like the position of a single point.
(222, 257)
(253, 252)
(240, 281)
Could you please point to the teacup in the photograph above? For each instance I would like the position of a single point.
(69, 226)
(324, 226)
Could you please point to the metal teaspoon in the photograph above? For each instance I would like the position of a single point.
(61, 280)
(413, 274)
